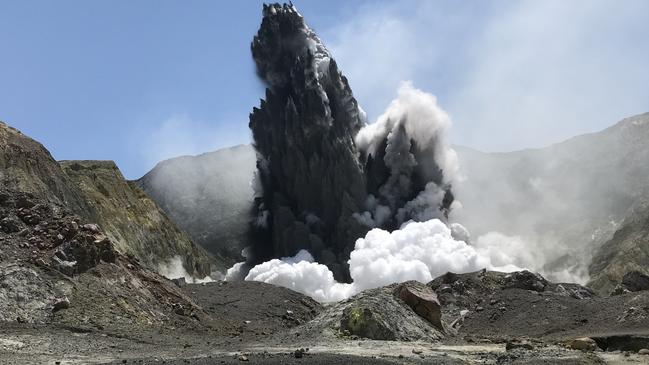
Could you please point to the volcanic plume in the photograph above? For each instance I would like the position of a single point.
(325, 177)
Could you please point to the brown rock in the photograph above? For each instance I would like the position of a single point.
(583, 344)
(422, 300)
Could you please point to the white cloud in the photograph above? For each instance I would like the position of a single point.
(418, 251)
(511, 74)
(180, 135)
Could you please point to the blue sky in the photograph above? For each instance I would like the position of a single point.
(140, 81)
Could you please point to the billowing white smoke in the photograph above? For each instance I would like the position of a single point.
(410, 138)
(423, 120)
(531, 254)
(418, 251)
(173, 269)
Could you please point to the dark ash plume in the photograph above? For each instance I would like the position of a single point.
(326, 177)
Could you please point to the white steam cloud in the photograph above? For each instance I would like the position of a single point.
(418, 251)
(174, 269)
(424, 122)
(412, 131)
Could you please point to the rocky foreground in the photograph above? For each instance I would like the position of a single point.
(67, 296)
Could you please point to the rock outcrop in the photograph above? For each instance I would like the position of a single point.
(626, 251)
(27, 166)
(97, 192)
(132, 221)
(377, 314)
(60, 269)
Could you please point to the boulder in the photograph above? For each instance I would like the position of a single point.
(518, 344)
(61, 304)
(583, 344)
(422, 300)
(365, 322)
(525, 280)
(10, 225)
(180, 282)
(635, 281)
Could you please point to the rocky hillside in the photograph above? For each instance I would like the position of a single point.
(208, 196)
(26, 166)
(97, 192)
(56, 268)
(133, 221)
(626, 251)
(569, 197)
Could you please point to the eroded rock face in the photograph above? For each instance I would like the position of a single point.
(26, 166)
(635, 281)
(61, 269)
(135, 224)
(304, 130)
(97, 192)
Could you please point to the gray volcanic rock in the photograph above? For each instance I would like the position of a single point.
(26, 166)
(135, 224)
(635, 281)
(97, 192)
(375, 314)
(304, 132)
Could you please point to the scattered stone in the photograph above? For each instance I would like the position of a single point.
(417, 351)
(525, 280)
(299, 353)
(619, 290)
(243, 358)
(178, 309)
(583, 344)
(64, 266)
(643, 352)
(518, 344)
(61, 304)
(91, 227)
(10, 225)
(180, 282)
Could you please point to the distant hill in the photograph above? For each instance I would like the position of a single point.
(569, 198)
(132, 220)
(209, 196)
